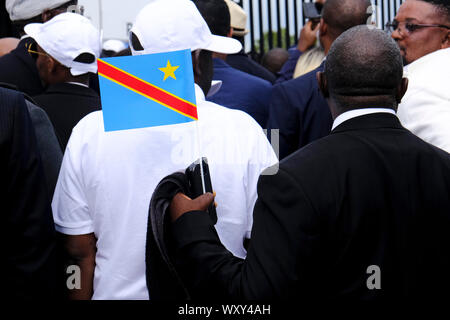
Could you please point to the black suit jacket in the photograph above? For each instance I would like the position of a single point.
(48, 145)
(47, 142)
(66, 104)
(371, 193)
(18, 68)
(28, 246)
(301, 113)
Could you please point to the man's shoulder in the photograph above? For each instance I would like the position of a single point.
(10, 66)
(246, 64)
(432, 60)
(340, 146)
(303, 86)
(429, 75)
(68, 95)
(240, 78)
(299, 92)
(92, 123)
(220, 116)
(314, 152)
(8, 95)
(15, 59)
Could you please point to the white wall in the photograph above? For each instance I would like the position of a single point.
(113, 16)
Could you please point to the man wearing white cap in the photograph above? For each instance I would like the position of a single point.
(67, 50)
(102, 198)
(17, 68)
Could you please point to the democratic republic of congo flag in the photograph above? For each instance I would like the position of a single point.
(147, 90)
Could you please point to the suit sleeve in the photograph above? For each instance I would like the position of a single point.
(285, 232)
(285, 117)
(29, 228)
(48, 145)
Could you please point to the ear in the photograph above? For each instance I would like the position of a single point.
(52, 65)
(401, 90)
(230, 33)
(323, 84)
(323, 27)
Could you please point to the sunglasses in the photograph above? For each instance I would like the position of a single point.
(408, 27)
(32, 51)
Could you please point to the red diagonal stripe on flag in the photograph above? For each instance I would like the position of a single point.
(147, 89)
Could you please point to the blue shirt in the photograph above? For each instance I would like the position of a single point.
(242, 91)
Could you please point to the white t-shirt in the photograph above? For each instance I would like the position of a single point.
(425, 108)
(107, 180)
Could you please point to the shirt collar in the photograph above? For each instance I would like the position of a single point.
(215, 87)
(357, 113)
(78, 84)
(199, 95)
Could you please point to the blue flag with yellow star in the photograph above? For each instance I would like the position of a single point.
(147, 90)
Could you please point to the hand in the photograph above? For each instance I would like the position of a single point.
(308, 36)
(181, 204)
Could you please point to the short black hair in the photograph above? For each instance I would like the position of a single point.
(216, 15)
(341, 15)
(363, 62)
(443, 6)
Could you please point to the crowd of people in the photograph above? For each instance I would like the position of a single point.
(358, 180)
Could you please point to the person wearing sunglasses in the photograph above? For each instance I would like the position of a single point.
(17, 68)
(421, 27)
(66, 52)
(422, 32)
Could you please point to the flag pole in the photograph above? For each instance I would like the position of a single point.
(199, 150)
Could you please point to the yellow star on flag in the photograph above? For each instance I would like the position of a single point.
(169, 71)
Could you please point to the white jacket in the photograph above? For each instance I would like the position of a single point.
(425, 109)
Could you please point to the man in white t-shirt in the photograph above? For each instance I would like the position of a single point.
(107, 179)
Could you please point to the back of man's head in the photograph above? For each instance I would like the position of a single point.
(274, 59)
(216, 15)
(363, 69)
(341, 15)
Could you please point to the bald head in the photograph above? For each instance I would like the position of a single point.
(364, 69)
(341, 15)
(7, 45)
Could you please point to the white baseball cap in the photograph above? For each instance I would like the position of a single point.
(171, 25)
(114, 45)
(65, 38)
(26, 9)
